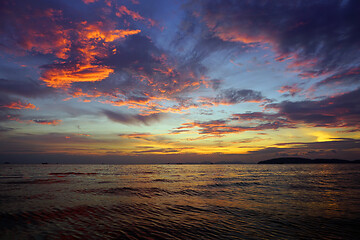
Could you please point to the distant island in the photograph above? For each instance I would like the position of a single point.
(295, 160)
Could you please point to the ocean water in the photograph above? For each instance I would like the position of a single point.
(180, 201)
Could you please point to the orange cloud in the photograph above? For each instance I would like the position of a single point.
(303, 63)
(83, 134)
(122, 10)
(86, 43)
(347, 76)
(233, 34)
(163, 86)
(15, 118)
(63, 77)
(125, 11)
(95, 31)
(40, 32)
(78, 92)
(89, 1)
(313, 74)
(168, 72)
(238, 37)
(93, 41)
(152, 105)
(59, 78)
(48, 122)
(20, 105)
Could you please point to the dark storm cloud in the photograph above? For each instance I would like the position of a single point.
(133, 119)
(319, 36)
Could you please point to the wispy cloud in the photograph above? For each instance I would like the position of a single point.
(47, 122)
(19, 105)
(335, 111)
(132, 119)
(217, 75)
(233, 96)
(312, 45)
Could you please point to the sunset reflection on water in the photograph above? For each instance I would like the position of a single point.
(180, 201)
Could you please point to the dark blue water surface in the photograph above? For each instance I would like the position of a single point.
(320, 201)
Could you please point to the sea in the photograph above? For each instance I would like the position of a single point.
(238, 201)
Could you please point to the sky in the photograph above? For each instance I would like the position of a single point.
(131, 81)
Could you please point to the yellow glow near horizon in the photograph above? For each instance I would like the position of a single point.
(322, 136)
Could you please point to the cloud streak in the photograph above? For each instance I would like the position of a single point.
(197, 77)
(336, 111)
(233, 96)
(19, 105)
(47, 122)
(314, 44)
(132, 119)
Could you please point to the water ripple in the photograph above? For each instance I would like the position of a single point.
(180, 202)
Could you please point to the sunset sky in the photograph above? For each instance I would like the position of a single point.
(178, 81)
